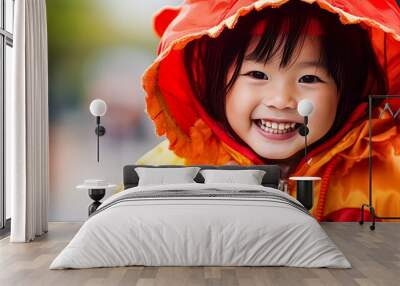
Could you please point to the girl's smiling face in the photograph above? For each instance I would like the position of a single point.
(261, 106)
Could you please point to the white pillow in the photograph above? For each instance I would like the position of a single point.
(162, 176)
(248, 177)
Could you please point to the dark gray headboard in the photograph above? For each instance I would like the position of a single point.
(271, 177)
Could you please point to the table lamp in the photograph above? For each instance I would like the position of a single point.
(304, 192)
(304, 108)
(98, 108)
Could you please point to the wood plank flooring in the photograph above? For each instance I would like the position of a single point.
(374, 255)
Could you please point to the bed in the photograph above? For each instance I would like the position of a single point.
(201, 224)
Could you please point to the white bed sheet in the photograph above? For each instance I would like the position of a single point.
(200, 231)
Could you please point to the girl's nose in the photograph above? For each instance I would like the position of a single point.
(283, 97)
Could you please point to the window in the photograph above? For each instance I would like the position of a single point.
(6, 44)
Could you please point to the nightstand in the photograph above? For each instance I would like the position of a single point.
(97, 190)
(304, 192)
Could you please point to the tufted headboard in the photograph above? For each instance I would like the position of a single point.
(270, 179)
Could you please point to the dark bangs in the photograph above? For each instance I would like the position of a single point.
(346, 52)
(284, 32)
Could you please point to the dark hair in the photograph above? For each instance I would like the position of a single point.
(346, 52)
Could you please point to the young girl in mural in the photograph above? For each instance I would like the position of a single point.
(229, 75)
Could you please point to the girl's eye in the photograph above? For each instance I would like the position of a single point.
(310, 79)
(257, 75)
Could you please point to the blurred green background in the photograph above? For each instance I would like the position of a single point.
(97, 49)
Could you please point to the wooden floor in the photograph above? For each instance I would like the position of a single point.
(374, 255)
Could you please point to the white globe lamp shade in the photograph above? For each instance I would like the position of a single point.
(305, 107)
(98, 107)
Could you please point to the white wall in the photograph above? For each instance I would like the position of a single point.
(82, 68)
(73, 159)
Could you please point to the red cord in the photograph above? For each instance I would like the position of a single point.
(325, 187)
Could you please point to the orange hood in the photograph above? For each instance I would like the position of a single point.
(177, 113)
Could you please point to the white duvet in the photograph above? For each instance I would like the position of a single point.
(200, 231)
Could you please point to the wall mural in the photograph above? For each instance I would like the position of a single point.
(224, 88)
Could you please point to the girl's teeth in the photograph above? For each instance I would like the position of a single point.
(277, 128)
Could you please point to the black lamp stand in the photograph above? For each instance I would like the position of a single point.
(303, 131)
(305, 187)
(100, 131)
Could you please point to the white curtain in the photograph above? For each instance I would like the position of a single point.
(27, 139)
